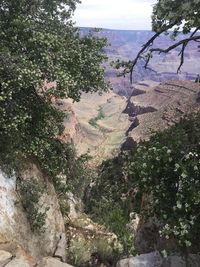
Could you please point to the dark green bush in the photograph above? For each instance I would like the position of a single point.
(30, 192)
(107, 202)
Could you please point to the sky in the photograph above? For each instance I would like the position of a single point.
(115, 14)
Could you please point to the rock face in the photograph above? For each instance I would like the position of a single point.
(15, 232)
(177, 261)
(160, 106)
(155, 259)
(51, 262)
(8, 260)
(72, 129)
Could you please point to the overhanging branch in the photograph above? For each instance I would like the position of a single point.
(146, 47)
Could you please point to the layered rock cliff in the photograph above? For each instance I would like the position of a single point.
(153, 108)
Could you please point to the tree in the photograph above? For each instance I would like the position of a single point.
(182, 17)
(39, 46)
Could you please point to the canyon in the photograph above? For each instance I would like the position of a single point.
(102, 126)
(157, 98)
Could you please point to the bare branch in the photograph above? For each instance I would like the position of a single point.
(184, 41)
(182, 53)
(149, 43)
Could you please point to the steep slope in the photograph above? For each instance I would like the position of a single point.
(160, 106)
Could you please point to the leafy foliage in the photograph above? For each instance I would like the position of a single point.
(107, 202)
(42, 55)
(184, 14)
(30, 193)
(166, 169)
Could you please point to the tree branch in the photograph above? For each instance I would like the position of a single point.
(147, 45)
(182, 53)
(183, 42)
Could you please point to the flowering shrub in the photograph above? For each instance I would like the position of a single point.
(167, 169)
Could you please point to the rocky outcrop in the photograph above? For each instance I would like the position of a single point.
(155, 259)
(160, 106)
(72, 129)
(52, 262)
(16, 235)
(5, 257)
(9, 260)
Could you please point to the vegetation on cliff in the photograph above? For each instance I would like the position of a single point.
(42, 55)
(165, 172)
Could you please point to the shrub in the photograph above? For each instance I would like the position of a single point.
(30, 192)
(107, 202)
(100, 116)
(166, 168)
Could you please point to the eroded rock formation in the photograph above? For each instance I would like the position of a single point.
(160, 106)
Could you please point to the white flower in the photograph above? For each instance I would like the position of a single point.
(195, 168)
(170, 159)
(178, 204)
(183, 175)
(144, 165)
(188, 243)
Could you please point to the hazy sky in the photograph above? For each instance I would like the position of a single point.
(115, 14)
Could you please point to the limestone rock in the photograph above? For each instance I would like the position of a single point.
(15, 231)
(73, 202)
(18, 263)
(52, 262)
(61, 248)
(178, 261)
(153, 259)
(160, 106)
(5, 255)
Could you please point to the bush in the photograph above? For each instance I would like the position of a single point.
(30, 192)
(107, 202)
(100, 116)
(167, 169)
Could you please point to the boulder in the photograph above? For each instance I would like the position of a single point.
(15, 231)
(61, 248)
(52, 262)
(18, 263)
(178, 261)
(5, 255)
(153, 259)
